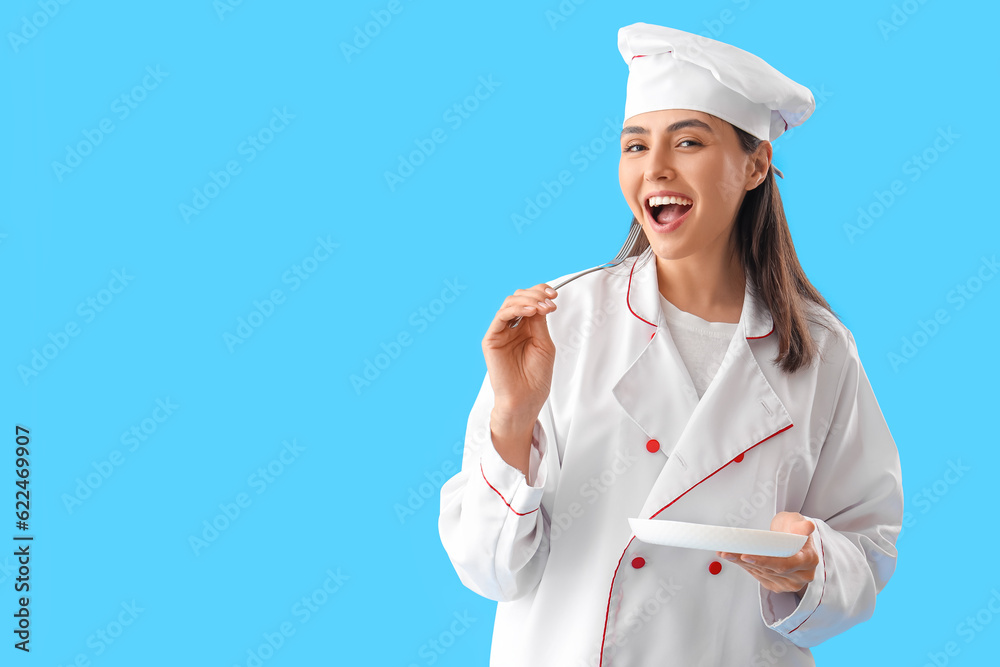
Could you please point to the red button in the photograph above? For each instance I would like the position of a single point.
(652, 446)
(739, 459)
(638, 562)
(715, 567)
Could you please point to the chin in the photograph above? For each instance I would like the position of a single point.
(669, 254)
(667, 250)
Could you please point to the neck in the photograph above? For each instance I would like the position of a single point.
(710, 287)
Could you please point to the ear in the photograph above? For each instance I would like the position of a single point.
(759, 164)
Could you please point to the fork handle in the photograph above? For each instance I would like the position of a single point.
(517, 320)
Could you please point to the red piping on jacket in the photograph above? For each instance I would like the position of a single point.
(741, 453)
(501, 495)
(607, 612)
(628, 293)
(765, 335)
(644, 55)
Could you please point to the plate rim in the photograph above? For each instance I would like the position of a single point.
(728, 529)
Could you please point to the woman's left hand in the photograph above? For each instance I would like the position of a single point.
(783, 575)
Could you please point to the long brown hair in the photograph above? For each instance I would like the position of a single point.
(764, 246)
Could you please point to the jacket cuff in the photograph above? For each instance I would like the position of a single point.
(509, 483)
(786, 612)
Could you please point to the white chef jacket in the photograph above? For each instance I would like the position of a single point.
(576, 588)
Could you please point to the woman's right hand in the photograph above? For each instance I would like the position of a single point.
(520, 360)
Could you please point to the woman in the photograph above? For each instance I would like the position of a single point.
(702, 380)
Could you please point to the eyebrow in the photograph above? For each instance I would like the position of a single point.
(679, 125)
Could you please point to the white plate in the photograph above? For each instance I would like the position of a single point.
(717, 538)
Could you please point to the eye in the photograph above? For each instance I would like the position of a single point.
(635, 144)
(692, 141)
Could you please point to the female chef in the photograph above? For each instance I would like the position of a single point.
(704, 380)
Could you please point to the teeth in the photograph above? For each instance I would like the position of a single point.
(663, 201)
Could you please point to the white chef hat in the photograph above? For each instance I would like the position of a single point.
(672, 69)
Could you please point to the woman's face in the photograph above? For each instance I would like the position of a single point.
(697, 157)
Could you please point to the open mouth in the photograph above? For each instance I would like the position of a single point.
(666, 210)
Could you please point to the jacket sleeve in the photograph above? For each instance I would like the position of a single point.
(492, 522)
(855, 500)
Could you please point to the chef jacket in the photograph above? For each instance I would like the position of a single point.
(623, 434)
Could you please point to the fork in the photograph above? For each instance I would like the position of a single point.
(633, 237)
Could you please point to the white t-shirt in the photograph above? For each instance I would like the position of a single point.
(701, 344)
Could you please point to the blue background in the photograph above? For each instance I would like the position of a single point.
(890, 78)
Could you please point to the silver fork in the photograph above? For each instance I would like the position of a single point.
(633, 237)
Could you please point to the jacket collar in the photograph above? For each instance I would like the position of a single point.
(739, 410)
(643, 300)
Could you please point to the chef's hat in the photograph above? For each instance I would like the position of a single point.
(672, 69)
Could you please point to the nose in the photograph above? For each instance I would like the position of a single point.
(659, 164)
